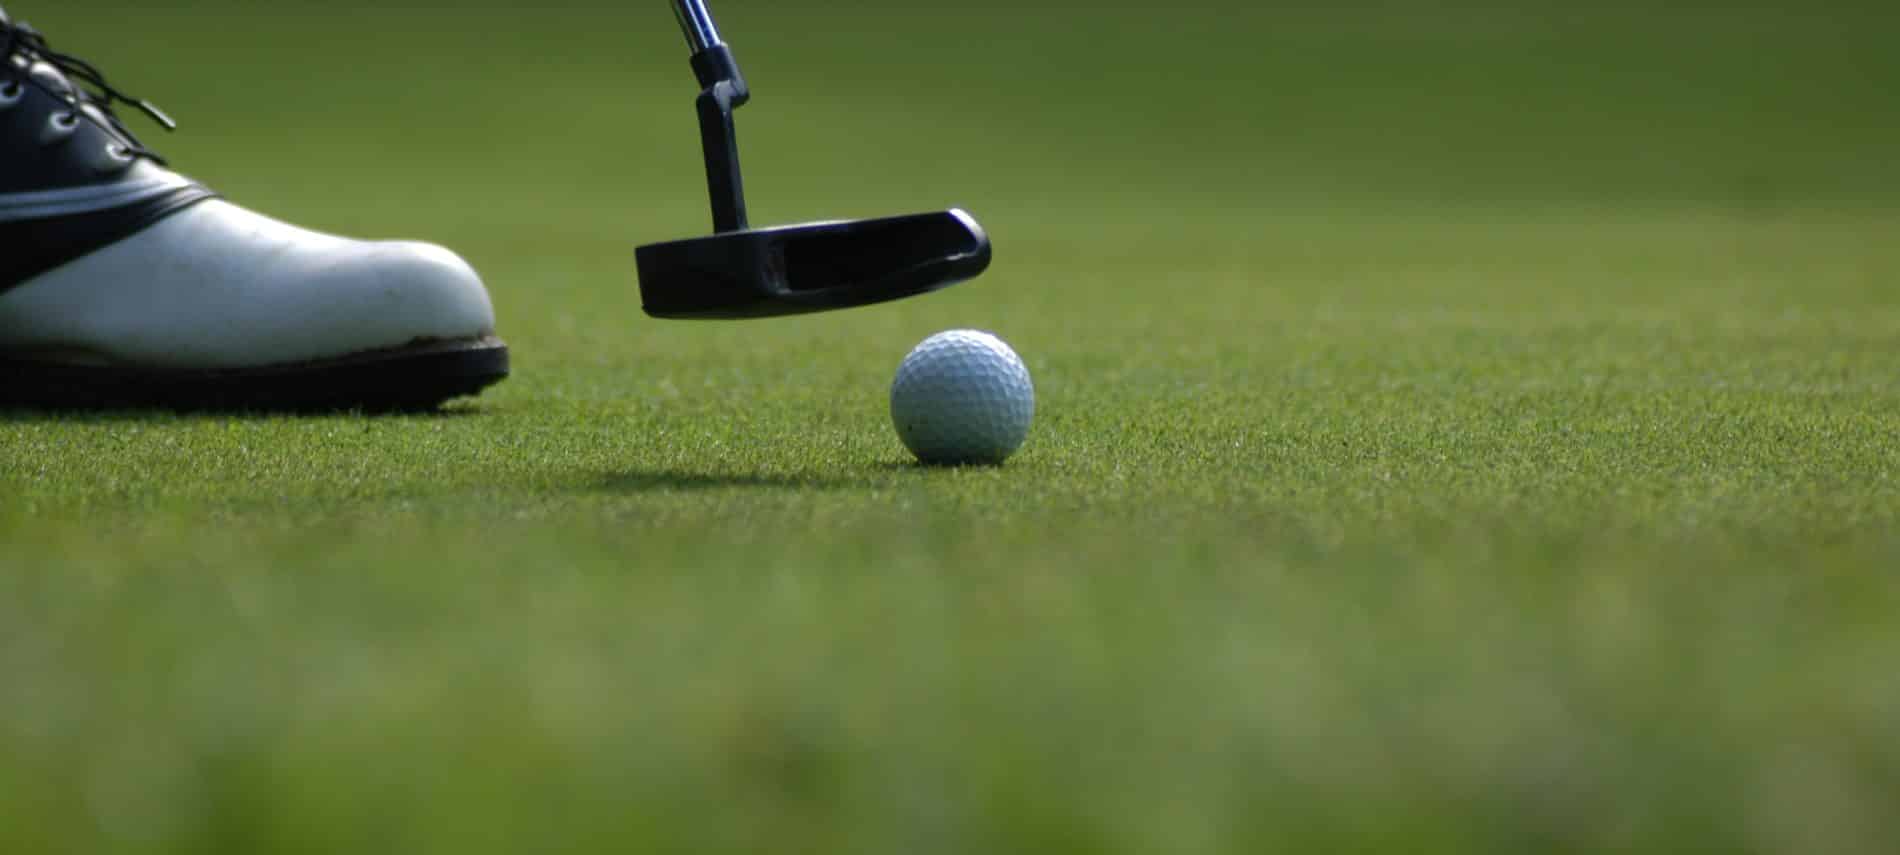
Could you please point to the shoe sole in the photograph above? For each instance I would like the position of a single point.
(417, 377)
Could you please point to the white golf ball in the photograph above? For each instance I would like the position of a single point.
(962, 396)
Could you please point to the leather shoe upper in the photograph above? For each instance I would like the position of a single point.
(72, 178)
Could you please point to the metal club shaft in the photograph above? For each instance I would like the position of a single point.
(696, 22)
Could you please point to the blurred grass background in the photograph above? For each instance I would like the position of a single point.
(1463, 427)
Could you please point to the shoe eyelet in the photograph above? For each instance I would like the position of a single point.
(10, 93)
(59, 128)
(118, 157)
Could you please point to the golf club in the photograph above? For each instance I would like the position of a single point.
(741, 272)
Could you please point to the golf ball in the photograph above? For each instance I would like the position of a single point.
(962, 396)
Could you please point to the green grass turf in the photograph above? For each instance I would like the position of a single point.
(1459, 430)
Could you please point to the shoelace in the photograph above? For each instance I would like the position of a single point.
(17, 36)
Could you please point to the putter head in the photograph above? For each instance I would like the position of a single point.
(813, 267)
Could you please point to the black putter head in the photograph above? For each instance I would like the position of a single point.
(739, 272)
(811, 267)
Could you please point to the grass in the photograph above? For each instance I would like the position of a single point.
(1464, 431)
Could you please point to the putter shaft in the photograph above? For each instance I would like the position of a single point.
(696, 22)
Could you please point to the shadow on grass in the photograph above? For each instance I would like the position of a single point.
(921, 466)
(643, 481)
(21, 415)
(676, 479)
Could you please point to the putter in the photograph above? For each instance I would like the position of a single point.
(742, 272)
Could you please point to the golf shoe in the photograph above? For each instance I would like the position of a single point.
(126, 284)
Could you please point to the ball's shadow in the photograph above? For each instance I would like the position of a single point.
(921, 466)
(655, 480)
(645, 481)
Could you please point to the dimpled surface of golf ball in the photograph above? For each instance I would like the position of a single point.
(962, 396)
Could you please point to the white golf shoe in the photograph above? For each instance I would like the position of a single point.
(125, 284)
